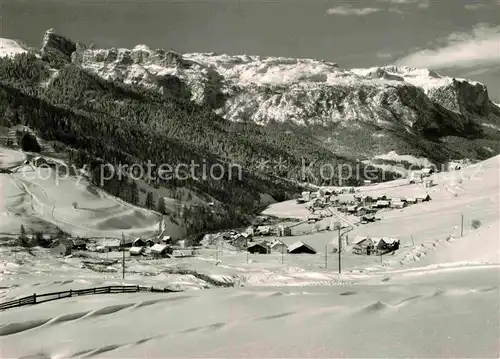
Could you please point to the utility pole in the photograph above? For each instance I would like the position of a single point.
(123, 256)
(462, 226)
(326, 256)
(340, 250)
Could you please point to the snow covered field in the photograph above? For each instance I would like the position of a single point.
(438, 296)
(42, 200)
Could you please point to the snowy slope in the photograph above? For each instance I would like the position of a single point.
(42, 200)
(10, 48)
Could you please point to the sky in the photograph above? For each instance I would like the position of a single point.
(459, 38)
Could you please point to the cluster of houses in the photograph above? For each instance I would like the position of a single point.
(375, 246)
(277, 246)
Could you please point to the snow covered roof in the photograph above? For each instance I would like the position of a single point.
(158, 248)
(299, 244)
(136, 250)
(360, 239)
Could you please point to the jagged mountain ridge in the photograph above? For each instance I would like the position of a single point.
(310, 94)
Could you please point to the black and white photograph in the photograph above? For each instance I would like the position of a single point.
(249, 179)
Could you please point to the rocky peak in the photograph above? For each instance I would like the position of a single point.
(56, 49)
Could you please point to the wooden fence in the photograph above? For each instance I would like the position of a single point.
(47, 297)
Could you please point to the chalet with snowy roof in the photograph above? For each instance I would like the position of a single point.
(264, 230)
(382, 204)
(278, 246)
(240, 240)
(259, 248)
(161, 250)
(137, 251)
(398, 204)
(423, 198)
(284, 231)
(61, 247)
(301, 248)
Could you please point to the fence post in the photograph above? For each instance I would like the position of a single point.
(137, 288)
(71, 292)
(34, 298)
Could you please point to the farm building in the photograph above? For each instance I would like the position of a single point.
(139, 242)
(411, 200)
(136, 251)
(398, 204)
(250, 231)
(423, 198)
(382, 204)
(166, 239)
(259, 248)
(264, 230)
(240, 240)
(161, 250)
(110, 244)
(284, 231)
(368, 218)
(313, 218)
(300, 248)
(352, 209)
(306, 196)
(60, 247)
(278, 246)
(78, 244)
(363, 245)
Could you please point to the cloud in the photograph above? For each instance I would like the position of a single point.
(475, 6)
(480, 47)
(422, 4)
(349, 11)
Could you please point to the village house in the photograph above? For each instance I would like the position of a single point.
(259, 248)
(313, 218)
(363, 246)
(241, 240)
(137, 251)
(161, 250)
(78, 244)
(382, 204)
(250, 231)
(284, 231)
(264, 230)
(278, 246)
(398, 204)
(306, 196)
(352, 209)
(301, 248)
(423, 198)
(367, 218)
(61, 247)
